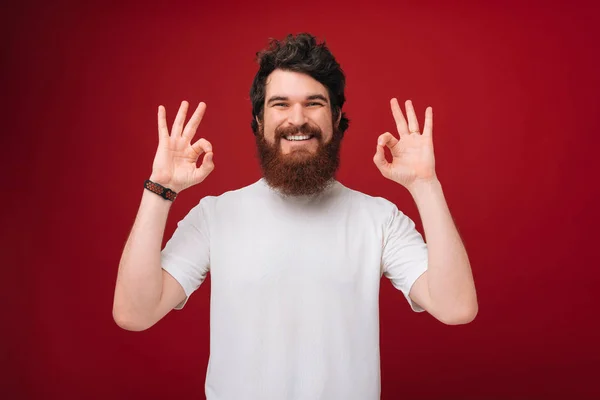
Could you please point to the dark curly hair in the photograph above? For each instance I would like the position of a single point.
(299, 53)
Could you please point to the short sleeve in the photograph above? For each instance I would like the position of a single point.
(186, 256)
(404, 256)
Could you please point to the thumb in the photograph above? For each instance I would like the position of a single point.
(205, 169)
(379, 159)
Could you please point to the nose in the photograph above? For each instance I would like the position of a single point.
(296, 115)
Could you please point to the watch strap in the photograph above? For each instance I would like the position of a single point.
(160, 190)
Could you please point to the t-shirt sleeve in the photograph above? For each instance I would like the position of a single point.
(186, 256)
(404, 256)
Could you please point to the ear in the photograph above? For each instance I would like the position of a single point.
(339, 118)
(257, 120)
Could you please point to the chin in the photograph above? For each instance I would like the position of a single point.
(293, 150)
(299, 149)
(299, 154)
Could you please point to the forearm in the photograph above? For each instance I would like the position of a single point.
(450, 279)
(139, 279)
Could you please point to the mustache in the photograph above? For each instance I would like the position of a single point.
(305, 129)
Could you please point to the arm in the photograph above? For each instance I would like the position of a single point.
(447, 289)
(144, 293)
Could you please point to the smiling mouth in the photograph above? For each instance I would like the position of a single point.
(298, 138)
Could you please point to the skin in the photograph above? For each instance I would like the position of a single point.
(293, 98)
(446, 290)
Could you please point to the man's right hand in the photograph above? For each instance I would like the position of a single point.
(175, 162)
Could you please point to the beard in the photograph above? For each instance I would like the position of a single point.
(300, 172)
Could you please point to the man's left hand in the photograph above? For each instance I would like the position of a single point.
(413, 161)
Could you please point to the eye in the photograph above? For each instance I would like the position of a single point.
(280, 105)
(314, 103)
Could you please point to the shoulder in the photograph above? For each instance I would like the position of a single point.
(374, 205)
(234, 197)
(386, 215)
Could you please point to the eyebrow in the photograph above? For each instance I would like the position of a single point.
(284, 98)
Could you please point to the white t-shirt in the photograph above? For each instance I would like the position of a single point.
(294, 311)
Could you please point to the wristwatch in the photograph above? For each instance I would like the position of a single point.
(160, 190)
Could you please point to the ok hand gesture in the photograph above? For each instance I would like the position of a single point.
(413, 161)
(175, 161)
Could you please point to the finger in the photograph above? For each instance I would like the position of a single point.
(387, 139)
(202, 146)
(428, 128)
(399, 118)
(192, 125)
(380, 161)
(413, 123)
(205, 169)
(163, 130)
(179, 119)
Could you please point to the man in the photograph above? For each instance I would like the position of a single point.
(295, 258)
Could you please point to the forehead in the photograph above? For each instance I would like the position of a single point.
(293, 85)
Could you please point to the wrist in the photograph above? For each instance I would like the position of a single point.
(419, 188)
(157, 178)
(161, 190)
(155, 200)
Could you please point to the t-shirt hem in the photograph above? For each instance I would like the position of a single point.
(416, 275)
(175, 273)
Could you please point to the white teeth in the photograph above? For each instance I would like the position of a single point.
(305, 137)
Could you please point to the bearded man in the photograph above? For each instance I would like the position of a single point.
(296, 258)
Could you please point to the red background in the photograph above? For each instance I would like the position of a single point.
(514, 91)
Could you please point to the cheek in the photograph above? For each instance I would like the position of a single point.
(269, 133)
(326, 127)
(321, 117)
(271, 122)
